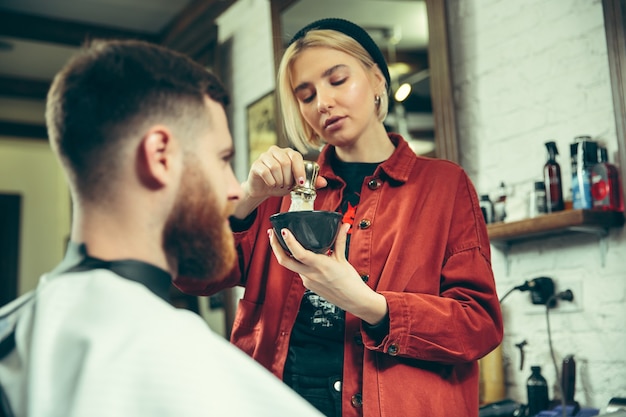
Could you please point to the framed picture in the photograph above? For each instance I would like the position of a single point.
(261, 126)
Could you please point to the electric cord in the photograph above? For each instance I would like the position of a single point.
(524, 287)
(566, 295)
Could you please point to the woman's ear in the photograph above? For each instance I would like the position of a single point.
(155, 157)
(379, 82)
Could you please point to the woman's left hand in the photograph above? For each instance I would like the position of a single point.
(331, 276)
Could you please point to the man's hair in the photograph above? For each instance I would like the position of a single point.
(111, 91)
(298, 131)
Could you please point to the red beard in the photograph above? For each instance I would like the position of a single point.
(195, 234)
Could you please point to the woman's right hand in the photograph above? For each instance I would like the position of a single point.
(274, 173)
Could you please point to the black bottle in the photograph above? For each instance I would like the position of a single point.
(499, 206)
(552, 179)
(486, 206)
(568, 381)
(537, 388)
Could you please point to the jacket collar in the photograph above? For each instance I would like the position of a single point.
(397, 167)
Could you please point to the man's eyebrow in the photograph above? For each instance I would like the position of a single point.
(326, 73)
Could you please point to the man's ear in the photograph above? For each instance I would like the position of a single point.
(155, 157)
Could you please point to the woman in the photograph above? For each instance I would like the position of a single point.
(393, 321)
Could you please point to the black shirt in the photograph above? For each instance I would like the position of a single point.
(317, 338)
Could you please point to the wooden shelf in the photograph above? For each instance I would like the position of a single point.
(569, 221)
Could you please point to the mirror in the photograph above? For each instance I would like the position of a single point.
(413, 37)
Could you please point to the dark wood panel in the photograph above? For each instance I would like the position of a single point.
(65, 32)
(23, 130)
(24, 88)
(615, 27)
(444, 112)
(194, 32)
(10, 212)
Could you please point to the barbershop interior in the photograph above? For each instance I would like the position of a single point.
(523, 95)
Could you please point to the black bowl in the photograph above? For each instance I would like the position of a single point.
(315, 230)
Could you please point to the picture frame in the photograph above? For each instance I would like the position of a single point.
(261, 126)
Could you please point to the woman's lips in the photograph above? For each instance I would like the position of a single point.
(333, 123)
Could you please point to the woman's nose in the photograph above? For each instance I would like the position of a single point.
(324, 102)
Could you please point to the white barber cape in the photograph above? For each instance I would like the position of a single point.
(97, 344)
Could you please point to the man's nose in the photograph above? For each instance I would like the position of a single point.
(235, 192)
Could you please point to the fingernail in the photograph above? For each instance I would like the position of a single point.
(283, 232)
(269, 232)
(301, 181)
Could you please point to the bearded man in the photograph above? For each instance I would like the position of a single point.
(142, 136)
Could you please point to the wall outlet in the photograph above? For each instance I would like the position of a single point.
(576, 304)
(562, 306)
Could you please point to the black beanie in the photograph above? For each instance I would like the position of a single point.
(355, 32)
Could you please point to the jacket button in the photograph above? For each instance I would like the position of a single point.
(373, 184)
(365, 277)
(356, 400)
(358, 339)
(365, 223)
(393, 350)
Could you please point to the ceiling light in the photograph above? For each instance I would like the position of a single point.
(403, 92)
(398, 69)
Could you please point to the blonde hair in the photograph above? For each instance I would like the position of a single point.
(299, 133)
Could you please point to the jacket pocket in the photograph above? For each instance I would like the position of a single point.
(246, 327)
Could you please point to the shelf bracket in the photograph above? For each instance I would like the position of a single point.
(602, 234)
(505, 248)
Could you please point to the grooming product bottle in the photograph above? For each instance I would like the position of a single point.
(303, 196)
(486, 206)
(499, 206)
(537, 389)
(552, 180)
(606, 189)
(584, 154)
(568, 379)
(537, 200)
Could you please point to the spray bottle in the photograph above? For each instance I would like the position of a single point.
(552, 180)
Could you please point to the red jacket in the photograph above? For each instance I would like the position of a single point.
(420, 238)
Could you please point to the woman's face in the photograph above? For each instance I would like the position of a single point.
(336, 94)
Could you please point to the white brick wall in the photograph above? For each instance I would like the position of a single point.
(525, 73)
(248, 26)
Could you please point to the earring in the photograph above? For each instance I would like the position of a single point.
(377, 100)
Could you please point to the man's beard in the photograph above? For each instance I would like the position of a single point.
(195, 236)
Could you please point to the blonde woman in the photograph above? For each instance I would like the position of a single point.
(393, 321)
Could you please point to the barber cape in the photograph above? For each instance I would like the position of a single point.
(94, 343)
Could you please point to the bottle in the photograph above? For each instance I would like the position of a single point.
(486, 206)
(606, 189)
(584, 154)
(537, 389)
(552, 180)
(537, 200)
(568, 379)
(499, 206)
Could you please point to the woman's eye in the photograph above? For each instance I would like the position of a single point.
(338, 82)
(308, 99)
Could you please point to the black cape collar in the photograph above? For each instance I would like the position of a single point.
(77, 259)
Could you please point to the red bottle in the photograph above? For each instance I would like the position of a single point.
(552, 179)
(606, 190)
